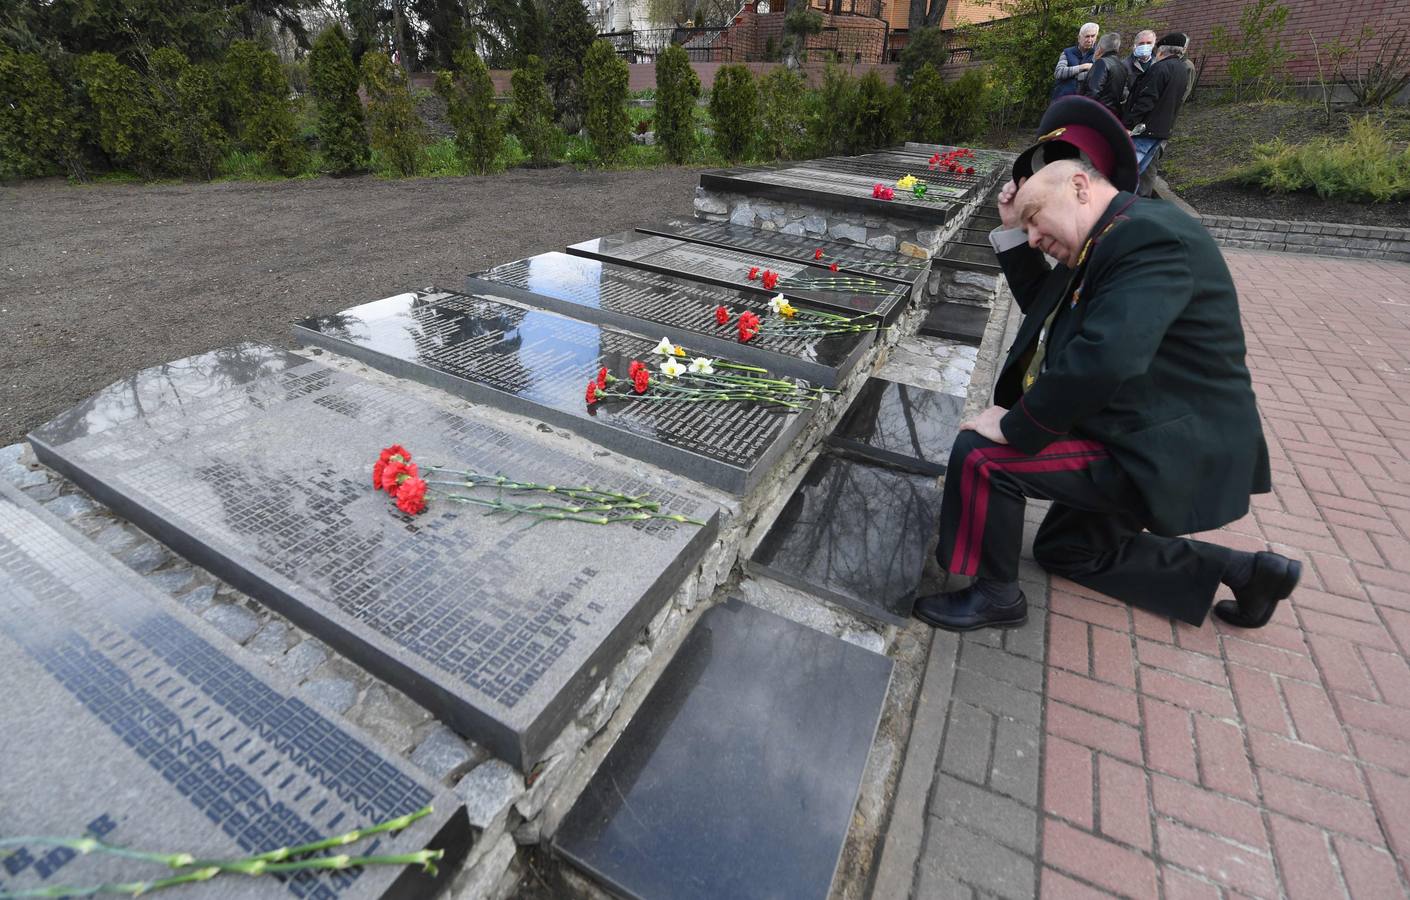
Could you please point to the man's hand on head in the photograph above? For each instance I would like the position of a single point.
(1008, 213)
(987, 424)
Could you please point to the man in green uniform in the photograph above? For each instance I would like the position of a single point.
(1124, 400)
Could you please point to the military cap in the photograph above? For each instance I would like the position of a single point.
(1079, 126)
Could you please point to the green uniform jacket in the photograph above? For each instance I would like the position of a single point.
(1148, 360)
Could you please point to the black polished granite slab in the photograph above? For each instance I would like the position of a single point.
(973, 257)
(129, 719)
(854, 533)
(999, 162)
(956, 322)
(255, 463)
(730, 268)
(939, 193)
(794, 187)
(680, 308)
(900, 425)
(739, 775)
(888, 168)
(537, 363)
(851, 258)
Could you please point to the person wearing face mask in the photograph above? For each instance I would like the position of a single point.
(1075, 62)
(1125, 400)
(1139, 62)
(1155, 103)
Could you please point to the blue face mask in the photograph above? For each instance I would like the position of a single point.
(1143, 51)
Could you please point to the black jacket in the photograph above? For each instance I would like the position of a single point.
(1106, 83)
(1156, 98)
(1148, 360)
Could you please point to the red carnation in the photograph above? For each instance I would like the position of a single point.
(833, 267)
(748, 326)
(721, 315)
(635, 367)
(411, 496)
(641, 379)
(602, 377)
(818, 254)
(395, 450)
(969, 171)
(877, 189)
(394, 473)
(770, 279)
(591, 392)
(753, 272)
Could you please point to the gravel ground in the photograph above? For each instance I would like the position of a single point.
(101, 281)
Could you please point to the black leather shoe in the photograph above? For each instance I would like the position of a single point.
(969, 609)
(1273, 579)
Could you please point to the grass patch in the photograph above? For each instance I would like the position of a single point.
(244, 165)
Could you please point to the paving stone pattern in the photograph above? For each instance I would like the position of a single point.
(1213, 761)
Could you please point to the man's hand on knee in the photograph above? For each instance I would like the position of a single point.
(987, 424)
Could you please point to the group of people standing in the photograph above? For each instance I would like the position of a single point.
(1145, 90)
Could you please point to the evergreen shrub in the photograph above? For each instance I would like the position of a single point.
(257, 96)
(391, 114)
(832, 113)
(605, 94)
(1365, 166)
(123, 120)
(333, 77)
(677, 90)
(924, 46)
(39, 129)
(734, 108)
(531, 113)
(783, 119)
(879, 117)
(187, 106)
(469, 96)
(926, 102)
(566, 44)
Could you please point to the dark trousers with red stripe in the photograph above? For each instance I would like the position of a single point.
(1091, 535)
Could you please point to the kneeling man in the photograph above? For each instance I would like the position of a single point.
(1125, 400)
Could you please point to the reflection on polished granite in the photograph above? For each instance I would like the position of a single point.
(537, 363)
(738, 776)
(679, 308)
(956, 322)
(798, 248)
(255, 463)
(730, 268)
(854, 533)
(127, 717)
(978, 257)
(901, 425)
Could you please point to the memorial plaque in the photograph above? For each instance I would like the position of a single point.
(987, 160)
(647, 301)
(956, 322)
(255, 463)
(791, 186)
(129, 720)
(900, 425)
(739, 775)
(852, 258)
(973, 257)
(938, 193)
(537, 364)
(730, 268)
(856, 534)
(888, 168)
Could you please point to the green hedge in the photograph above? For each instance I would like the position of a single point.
(391, 114)
(531, 113)
(257, 98)
(677, 90)
(605, 94)
(39, 127)
(734, 109)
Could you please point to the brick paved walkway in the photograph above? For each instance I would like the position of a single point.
(1186, 763)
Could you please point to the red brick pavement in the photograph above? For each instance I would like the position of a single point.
(1215, 762)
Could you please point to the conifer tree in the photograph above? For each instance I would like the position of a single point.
(734, 108)
(677, 90)
(605, 92)
(531, 113)
(396, 129)
(469, 96)
(342, 131)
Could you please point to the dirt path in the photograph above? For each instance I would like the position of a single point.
(98, 282)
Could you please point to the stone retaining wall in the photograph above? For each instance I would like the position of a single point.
(1318, 238)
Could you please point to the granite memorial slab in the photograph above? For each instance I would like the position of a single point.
(852, 258)
(255, 463)
(730, 268)
(854, 533)
(900, 425)
(939, 191)
(739, 775)
(989, 160)
(650, 302)
(972, 257)
(537, 363)
(956, 322)
(129, 720)
(791, 186)
(889, 168)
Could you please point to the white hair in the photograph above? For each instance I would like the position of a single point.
(1090, 26)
